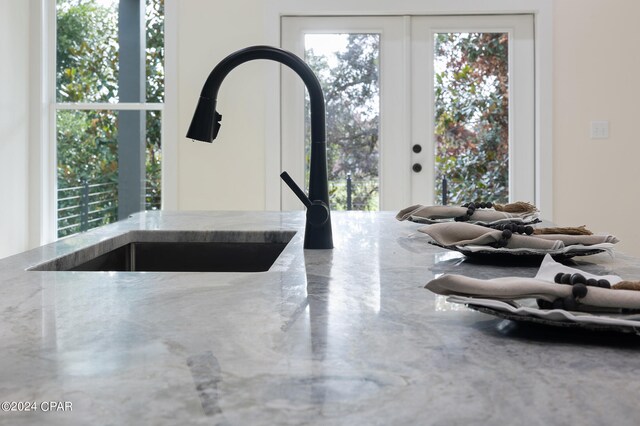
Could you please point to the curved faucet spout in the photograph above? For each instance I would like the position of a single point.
(206, 123)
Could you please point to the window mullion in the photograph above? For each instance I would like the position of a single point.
(131, 124)
(122, 106)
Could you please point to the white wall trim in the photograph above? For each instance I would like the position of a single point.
(37, 114)
(543, 35)
(542, 11)
(170, 135)
(129, 106)
(404, 7)
(42, 159)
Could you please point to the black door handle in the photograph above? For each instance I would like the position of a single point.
(417, 167)
(417, 148)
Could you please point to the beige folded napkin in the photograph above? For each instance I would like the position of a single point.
(463, 234)
(587, 240)
(513, 288)
(419, 212)
(549, 268)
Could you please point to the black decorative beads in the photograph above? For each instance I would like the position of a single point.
(508, 230)
(577, 278)
(579, 290)
(513, 227)
(480, 205)
(471, 209)
(604, 284)
(504, 239)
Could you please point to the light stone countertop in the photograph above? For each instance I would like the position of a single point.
(346, 336)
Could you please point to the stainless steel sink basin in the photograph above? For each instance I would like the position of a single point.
(178, 251)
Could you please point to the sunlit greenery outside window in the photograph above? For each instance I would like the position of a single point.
(472, 116)
(87, 66)
(471, 87)
(347, 66)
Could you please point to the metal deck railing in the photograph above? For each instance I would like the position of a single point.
(89, 205)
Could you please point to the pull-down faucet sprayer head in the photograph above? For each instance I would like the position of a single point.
(206, 121)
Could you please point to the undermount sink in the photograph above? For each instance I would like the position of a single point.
(177, 251)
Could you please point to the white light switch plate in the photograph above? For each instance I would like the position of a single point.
(599, 130)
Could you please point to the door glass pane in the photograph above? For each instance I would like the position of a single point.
(471, 86)
(347, 66)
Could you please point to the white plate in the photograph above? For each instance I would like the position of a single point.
(527, 220)
(556, 317)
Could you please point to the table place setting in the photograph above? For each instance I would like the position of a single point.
(498, 232)
(477, 212)
(558, 295)
(471, 239)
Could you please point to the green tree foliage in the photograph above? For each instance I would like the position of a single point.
(87, 55)
(471, 116)
(87, 71)
(351, 91)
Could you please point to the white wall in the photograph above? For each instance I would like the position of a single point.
(14, 126)
(228, 174)
(596, 65)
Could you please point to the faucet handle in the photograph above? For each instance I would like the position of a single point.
(317, 211)
(296, 189)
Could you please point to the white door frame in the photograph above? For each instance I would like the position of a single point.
(521, 97)
(407, 99)
(543, 18)
(394, 104)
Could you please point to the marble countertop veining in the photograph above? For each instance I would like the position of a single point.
(346, 336)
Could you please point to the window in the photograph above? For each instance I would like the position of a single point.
(454, 100)
(109, 95)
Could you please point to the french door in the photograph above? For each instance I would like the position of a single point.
(413, 101)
